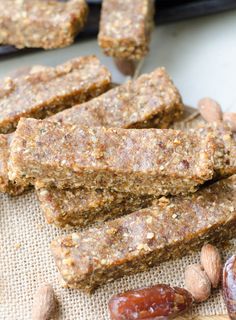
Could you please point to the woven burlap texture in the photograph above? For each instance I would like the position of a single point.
(26, 263)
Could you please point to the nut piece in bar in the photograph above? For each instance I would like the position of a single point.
(41, 24)
(80, 207)
(150, 101)
(147, 237)
(148, 161)
(125, 28)
(45, 90)
(127, 106)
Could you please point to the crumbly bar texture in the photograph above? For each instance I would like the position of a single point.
(152, 100)
(140, 240)
(225, 156)
(148, 161)
(225, 160)
(41, 24)
(81, 207)
(225, 151)
(127, 106)
(7, 186)
(125, 28)
(45, 90)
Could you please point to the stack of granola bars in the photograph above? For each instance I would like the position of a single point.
(110, 156)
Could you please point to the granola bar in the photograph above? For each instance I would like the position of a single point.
(7, 186)
(41, 24)
(127, 106)
(46, 90)
(150, 101)
(148, 161)
(81, 207)
(125, 28)
(140, 240)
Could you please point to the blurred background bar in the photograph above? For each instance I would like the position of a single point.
(166, 11)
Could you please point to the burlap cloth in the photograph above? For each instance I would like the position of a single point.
(26, 263)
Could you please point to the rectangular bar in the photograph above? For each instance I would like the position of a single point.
(148, 161)
(150, 101)
(41, 24)
(140, 240)
(80, 207)
(46, 90)
(127, 106)
(125, 28)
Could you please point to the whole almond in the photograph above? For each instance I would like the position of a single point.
(230, 118)
(211, 262)
(45, 304)
(126, 67)
(197, 282)
(210, 110)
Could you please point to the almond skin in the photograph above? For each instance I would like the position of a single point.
(212, 264)
(210, 110)
(197, 282)
(126, 67)
(230, 118)
(45, 304)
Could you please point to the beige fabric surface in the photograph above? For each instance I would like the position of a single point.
(26, 263)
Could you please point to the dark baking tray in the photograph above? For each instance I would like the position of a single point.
(166, 11)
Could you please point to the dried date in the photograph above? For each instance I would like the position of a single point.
(157, 302)
(229, 286)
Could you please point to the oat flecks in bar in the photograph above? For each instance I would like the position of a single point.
(148, 161)
(46, 90)
(152, 100)
(6, 185)
(41, 24)
(81, 207)
(147, 237)
(225, 154)
(128, 106)
(125, 28)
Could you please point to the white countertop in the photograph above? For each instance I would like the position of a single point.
(199, 54)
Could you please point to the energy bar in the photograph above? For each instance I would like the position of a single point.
(45, 90)
(148, 161)
(41, 24)
(136, 242)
